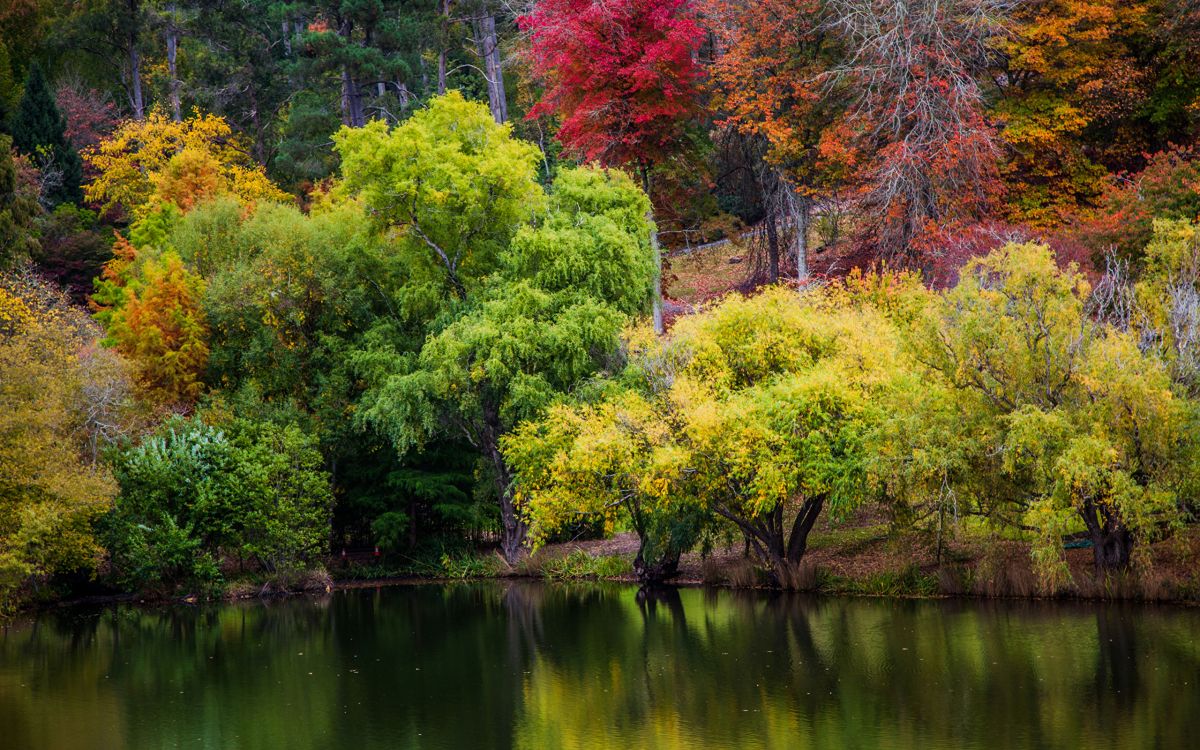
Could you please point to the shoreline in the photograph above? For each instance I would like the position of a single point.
(109, 600)
(854, 561)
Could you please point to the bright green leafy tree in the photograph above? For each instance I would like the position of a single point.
(548, 317)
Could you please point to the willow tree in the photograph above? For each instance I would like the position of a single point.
(752, 413)
(538, 286)
(452, 185)
(1075, 427)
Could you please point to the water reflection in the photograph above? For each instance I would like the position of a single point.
(530, 666)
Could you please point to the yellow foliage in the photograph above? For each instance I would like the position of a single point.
(49, 492)
(158, 159)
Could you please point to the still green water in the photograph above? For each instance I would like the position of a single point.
(545, 666)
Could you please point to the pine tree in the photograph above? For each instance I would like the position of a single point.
(18, 211)
(39, 130)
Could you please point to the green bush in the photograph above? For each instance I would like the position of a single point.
(579, 564)
(468, 566)
(194, 496)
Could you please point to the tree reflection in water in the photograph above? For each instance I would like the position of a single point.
(501, 665)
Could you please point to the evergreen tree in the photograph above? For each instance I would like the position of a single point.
(39, 130)
(18, 211)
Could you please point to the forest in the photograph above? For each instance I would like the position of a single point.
(301, 290)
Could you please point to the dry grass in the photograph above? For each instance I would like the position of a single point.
(861, 556)
(698, 277)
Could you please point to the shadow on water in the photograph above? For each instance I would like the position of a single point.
(526, 665)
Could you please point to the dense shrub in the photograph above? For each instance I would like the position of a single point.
(195, 497)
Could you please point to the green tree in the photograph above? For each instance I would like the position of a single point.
(39, 131)
(451, 183)
(548, 319)
(194, 493)
(19, 211)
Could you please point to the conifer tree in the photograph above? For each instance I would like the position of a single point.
(39, 130)
(18, 211)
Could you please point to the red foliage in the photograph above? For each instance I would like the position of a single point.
(90, 116)
(622, 75)
(1168, 188)
(771, 78)
(916, 71)
(946, 249)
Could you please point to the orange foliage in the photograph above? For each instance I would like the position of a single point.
(162, 328)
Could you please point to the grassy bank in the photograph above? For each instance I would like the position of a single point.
(858, 561)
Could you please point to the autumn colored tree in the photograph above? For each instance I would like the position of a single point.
(179, 162)
(916, 68)
(89, 115)
(18, 211)
(771, 81)
(621, 76)
(54, 404)
(1069, 74)
(1130, 204)
(751, 413)
(1076, 428)
(161, 328)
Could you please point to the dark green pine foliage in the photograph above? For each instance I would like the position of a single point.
(39, 130)
(18, 212)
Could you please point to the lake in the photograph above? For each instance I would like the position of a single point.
(526, 665)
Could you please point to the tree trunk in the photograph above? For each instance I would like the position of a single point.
(172, 46)
(659, 327)
(801, 526)
(1112, 542)
(260, 137)
(136, 100)
(135, 80)
(352, 112)
(1111, 549)
(445, 40)
(764, 534)
(488, 48)
(803, 220)
(513, 527)
(655, 571)
(772, 249)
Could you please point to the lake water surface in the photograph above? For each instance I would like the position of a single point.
(522, 665)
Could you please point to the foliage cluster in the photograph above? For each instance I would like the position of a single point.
(193, 495)
(1017, 396)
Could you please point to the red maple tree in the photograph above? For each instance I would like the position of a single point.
(621, 74)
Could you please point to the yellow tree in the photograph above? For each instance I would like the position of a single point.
(145, 163)
(52, 397)
(752, 412)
